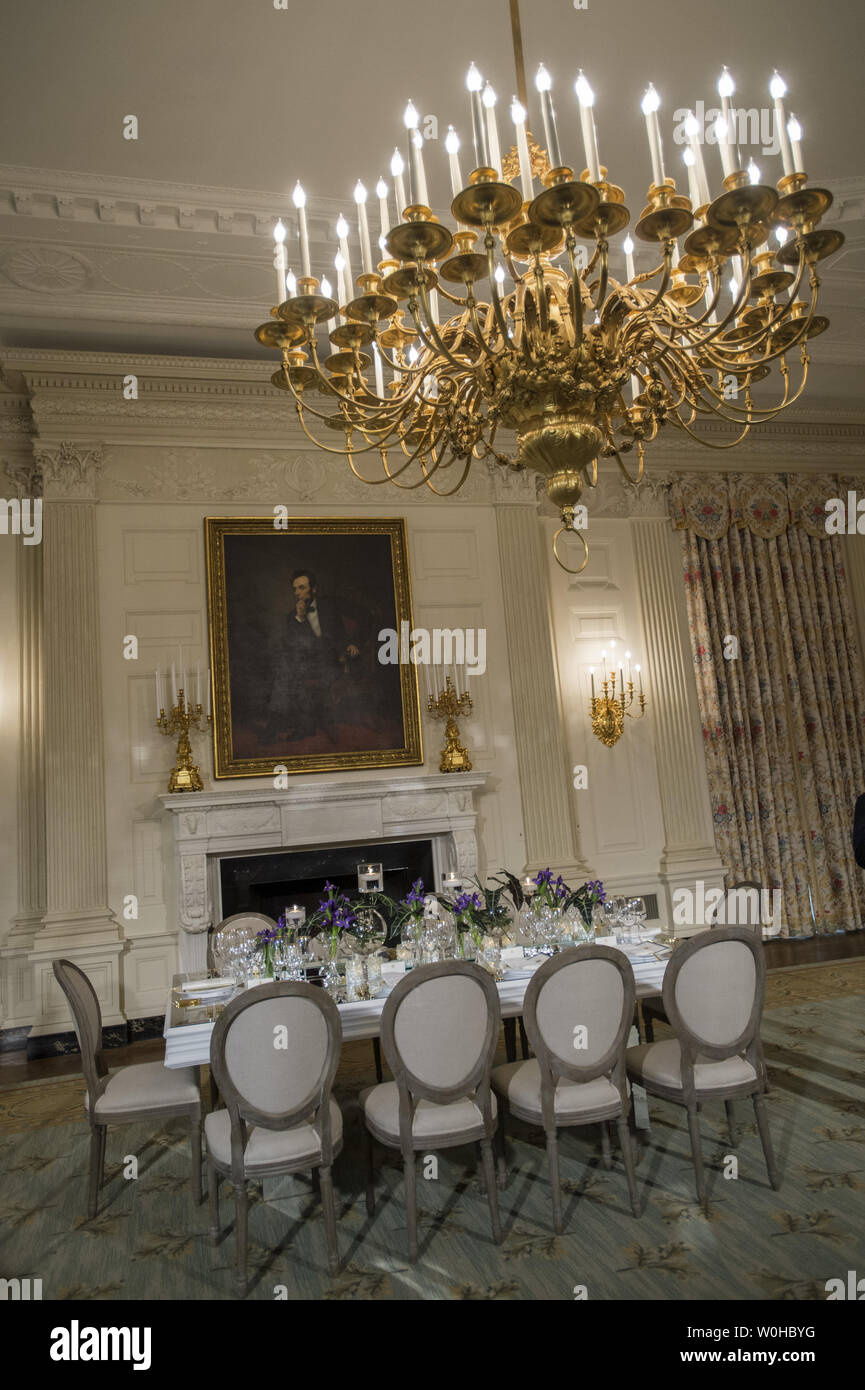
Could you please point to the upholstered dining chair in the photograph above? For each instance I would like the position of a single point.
(274, 1052)
(578, 1009)
(147, 1091)
(439, 1029)
(714, 989)
(730, 906)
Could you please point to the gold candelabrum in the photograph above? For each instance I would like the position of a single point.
(185, 775)
(447, 704)
(608, 709)
(581, 360)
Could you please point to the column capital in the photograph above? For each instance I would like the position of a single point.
(25, 477)
(69, 471)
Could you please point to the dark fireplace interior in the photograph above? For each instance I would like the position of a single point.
(269, 883)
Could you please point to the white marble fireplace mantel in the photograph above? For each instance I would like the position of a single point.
(203, 827)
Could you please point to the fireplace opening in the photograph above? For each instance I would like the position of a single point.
(269, 883)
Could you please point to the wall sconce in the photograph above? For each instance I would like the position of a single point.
(607, 710)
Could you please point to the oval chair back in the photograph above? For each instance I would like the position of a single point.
(578, 1011)
(87, 1019)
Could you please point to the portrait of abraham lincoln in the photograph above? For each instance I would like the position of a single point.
(296, 612)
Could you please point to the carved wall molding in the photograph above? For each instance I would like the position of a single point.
(69, 471)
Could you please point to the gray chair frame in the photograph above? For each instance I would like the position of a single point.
(475, 1084)
(315, 1105)
(554, 1068)
(87, 1014)
(692, 1046)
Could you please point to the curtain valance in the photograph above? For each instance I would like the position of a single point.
(765, 504)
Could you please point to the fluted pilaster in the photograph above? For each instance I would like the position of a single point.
(551, 832)
(689, 848)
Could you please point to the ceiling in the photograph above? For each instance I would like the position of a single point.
(162, 244)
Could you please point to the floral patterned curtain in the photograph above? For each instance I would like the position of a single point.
(782, 704)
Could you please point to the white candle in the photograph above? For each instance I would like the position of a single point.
(327, 292)
(173, 684)
(379, 379)
(208, 693)
(396, 169)
(198, 684)
(489, 100)
(724, 146)
(692, 130)
(693, 188)
(518, 116)
(726, 88)
(342, 230)
(384, 218)
(434, 306)
(339, 265)
(363, 227)
(298, 197)
(159, 704)
(475, 82)
(279, 238)
(650, 103)
(586, 98)
(452, 145)
(544, 83)
(423, 195)
(628, 248)
(794, 130)
(410, 120)
(777, 91)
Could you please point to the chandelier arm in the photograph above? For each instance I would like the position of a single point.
(576, 283)
(450, 492)
(624, 471)
(410, 487)
(317, 413)
(541, 296)
(332, 390)
(479, 332)
(437, 345)
(604, 276)
(376, 444)
(680, 424)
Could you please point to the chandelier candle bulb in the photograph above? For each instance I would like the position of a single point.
(291, 284)
(452, 145)
(650, 104)
(363, 228)
(754, 175)
(543, 83)
(518, 116)
(489, 100)
(298, 197)
(279, 238)
(475, 82)
(794, 130)
(777, 91)
(342, 230)
(586, 98)
(396, 169)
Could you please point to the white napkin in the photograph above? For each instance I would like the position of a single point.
(198, 986)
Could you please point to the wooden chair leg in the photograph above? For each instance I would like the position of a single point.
(605, 1145)
(241, 1233)
(628, 1156)
(731, 1123)
(96, 1140)
(648, 1026)
(103, 1141)
(410, 1171)
(195, 1147)
(492, 1191)
(766, 1139)
(697, 1154)
(376, 1052)
(524, 1042)
(213, 1201)
(370, 1171)
(327, 1203)
(510, 1026)
(500, 1146)
(553, 1159)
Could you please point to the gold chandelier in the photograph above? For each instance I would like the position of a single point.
(577, 363)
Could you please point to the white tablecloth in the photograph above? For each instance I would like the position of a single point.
(188, 1044)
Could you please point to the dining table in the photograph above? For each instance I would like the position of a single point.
(189, 1026)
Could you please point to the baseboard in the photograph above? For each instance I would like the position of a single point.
(64, 1044)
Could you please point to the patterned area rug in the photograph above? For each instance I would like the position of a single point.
(148, 1241)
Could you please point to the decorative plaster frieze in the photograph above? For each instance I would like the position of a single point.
(69, 471)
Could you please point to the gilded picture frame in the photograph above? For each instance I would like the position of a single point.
(296, 607)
